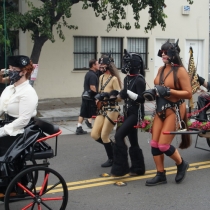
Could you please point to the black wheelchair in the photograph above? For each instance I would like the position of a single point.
(24, 173)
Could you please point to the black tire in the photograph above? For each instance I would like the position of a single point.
(51, 183)
(208, 141)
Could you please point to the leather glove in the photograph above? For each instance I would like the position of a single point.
(123, 94)
(162, 91)
(149, 95)
(201, 80)
(102, 96)
(114, 93)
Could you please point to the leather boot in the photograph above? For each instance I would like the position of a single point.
(99, 141)
(181, 171)
(160, 178)
(109, 152)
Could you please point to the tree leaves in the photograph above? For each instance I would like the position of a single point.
(40, 21)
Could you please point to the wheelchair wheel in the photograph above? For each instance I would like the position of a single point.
(49, 191)
(208, 141)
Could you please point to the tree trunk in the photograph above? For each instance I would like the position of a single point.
(37, 48)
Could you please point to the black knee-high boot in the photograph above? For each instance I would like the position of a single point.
(109, 152)
(99, 141)
(137, 161)
(120, 165)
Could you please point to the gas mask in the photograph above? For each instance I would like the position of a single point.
(14, 76)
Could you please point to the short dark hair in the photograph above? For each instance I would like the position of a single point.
(91, 62)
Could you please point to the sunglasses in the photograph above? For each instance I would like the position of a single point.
(160, 52)
(163, 51)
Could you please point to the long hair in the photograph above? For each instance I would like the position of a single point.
(186, 138)
(176, 60)
(114, 72)
(112, 68)
(29, 69)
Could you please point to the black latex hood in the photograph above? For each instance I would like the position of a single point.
(132, 63)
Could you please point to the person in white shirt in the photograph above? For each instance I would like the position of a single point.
(19, 100)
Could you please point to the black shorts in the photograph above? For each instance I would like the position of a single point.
(88, 109)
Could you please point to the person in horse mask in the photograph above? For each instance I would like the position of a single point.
(134, 86)
(172, 86)
(107, 104)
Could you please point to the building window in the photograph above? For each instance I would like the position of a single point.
(84, 51)
(139, 45)
(113, 45)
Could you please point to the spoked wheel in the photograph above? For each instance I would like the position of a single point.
(208, 141)
(49, 191)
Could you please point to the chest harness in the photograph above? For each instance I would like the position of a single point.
(162, 104)
(131, 103)
(107, 105)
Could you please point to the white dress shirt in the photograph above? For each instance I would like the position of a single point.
(19, 102)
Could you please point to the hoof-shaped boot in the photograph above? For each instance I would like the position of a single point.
(160, 178)
(108, 163)
(181, 171)
(137, 162)
(120, 165)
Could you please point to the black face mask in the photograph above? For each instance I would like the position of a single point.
(14, 76)
(127, 63)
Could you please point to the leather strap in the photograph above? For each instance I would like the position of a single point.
(113, 123)
(105, 84)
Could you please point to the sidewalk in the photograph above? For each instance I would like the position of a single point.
(65, 111)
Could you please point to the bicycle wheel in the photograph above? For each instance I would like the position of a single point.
(49, 191)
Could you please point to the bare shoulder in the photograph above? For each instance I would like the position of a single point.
(160, 68)
(182, 71)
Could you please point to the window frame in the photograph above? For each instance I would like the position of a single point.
(114, 53)
(146, 53)
(85, 53)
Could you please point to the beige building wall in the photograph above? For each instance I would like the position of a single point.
(56, 77)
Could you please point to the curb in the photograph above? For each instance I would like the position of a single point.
(73, 118)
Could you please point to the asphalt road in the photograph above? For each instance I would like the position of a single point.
(79, 159)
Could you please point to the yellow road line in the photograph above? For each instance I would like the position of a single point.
(111, 180)
(127, 176)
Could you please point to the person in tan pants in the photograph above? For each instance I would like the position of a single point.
(108, 108)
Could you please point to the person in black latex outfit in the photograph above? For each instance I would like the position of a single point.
(134, 86)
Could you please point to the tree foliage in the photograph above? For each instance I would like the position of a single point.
(40, 21)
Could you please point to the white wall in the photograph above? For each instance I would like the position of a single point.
(56, 78)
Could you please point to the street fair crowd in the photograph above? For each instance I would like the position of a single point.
(104, 90)
(173, 85)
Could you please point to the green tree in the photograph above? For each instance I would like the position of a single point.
(40, 21)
